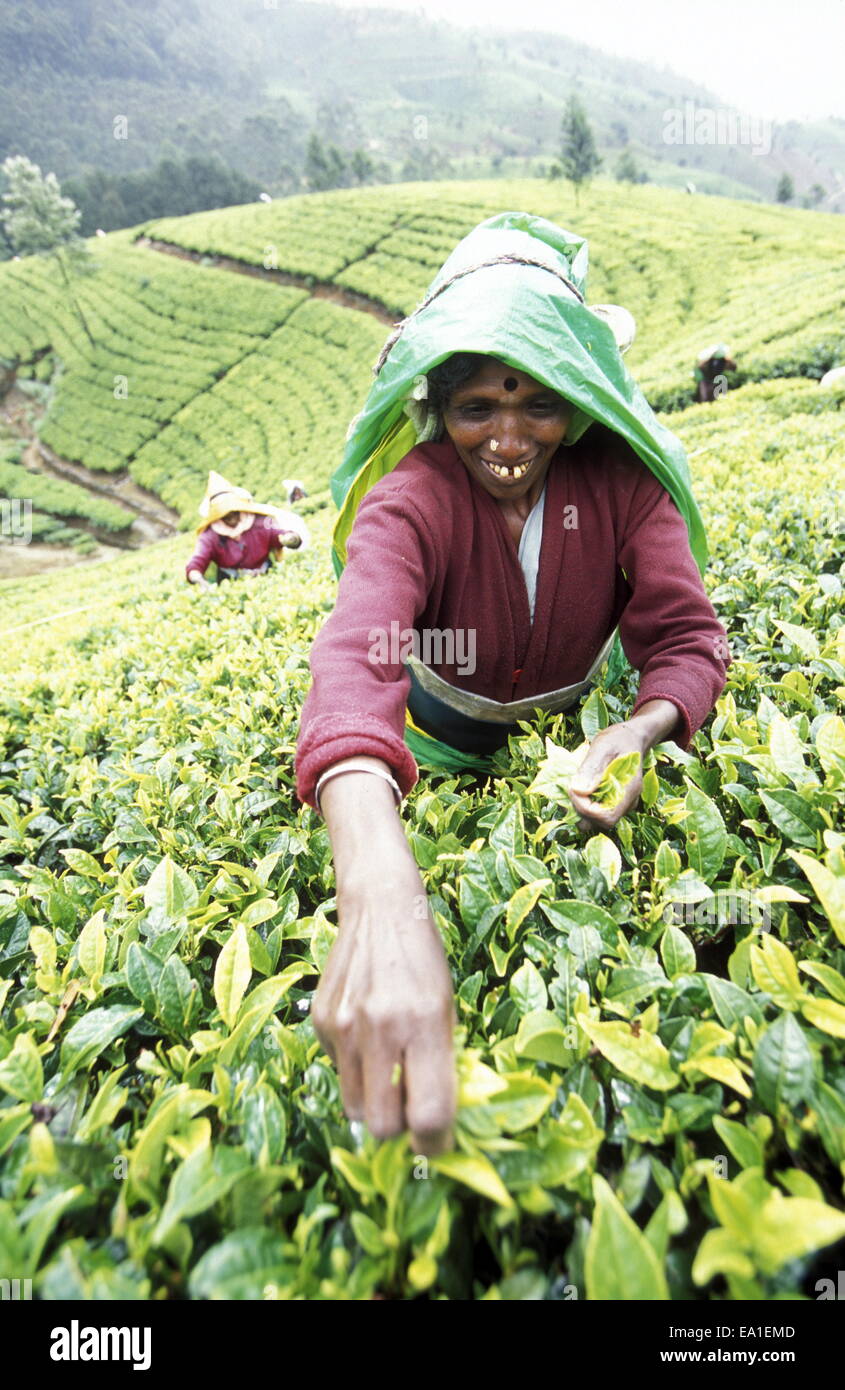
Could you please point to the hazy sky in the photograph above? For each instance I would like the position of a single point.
(773, 58)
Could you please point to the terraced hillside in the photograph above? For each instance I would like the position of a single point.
(652, 1025)
(193, 366)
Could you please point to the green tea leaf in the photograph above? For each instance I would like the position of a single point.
(104, 1107)
(786, 1228)
(830, 745)
(177, 996)
(601, 852)
(541, 1035)
(524, 899)
(831, 979)
(258, 1007)
(170, 890)
(731, 1003)
(829, 889)
(555, 772)
(264, 1125)
(677, 953)
(786, 749)
(201, 1179)
(825, 1015)
(518, 1105)
(745, 1146)
(247, 1265)
(639, 1055)
(83, 863)
(620, 1263)
(783, 1065)
(527, 989)
(231, 975)
(705, 834)
(91, 948)
(720, 1253)
(143, 973)
(793, 815)
(21, 1072)
(93, 1033)
(776, 972)
(476, 1172)
(613, 783)
(800, 637)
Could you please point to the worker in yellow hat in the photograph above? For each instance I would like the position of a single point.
(239, 534)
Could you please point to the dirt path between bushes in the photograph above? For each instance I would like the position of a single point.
(320, 289)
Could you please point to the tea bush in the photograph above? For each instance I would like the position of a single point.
(652, 1025)
(651, 1040)
(194, 367)
(61, 498)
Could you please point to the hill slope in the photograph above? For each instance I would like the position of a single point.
(194, 367)
(248, 82)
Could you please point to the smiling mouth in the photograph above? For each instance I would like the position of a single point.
(502, 471)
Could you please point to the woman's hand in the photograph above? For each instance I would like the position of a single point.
(195, 577)
(384, 1009)
(652, 723)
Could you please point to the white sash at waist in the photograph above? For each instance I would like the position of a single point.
(493, 711)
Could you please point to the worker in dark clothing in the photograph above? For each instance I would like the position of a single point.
(710, 371)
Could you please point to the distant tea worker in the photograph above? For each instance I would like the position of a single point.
(239, 534)
(294, 489)
(710, 371)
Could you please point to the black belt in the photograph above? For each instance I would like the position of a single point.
(450, 726)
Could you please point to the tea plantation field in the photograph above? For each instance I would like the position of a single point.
(193, 368)
(651, 1025)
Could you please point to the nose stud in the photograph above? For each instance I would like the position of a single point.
(494, 444)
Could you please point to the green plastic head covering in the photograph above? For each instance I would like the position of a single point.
(530, 316)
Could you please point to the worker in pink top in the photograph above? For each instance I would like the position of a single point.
(239, 534)
(509, 501)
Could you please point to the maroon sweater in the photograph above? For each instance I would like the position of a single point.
(431, 549)
(248, 551)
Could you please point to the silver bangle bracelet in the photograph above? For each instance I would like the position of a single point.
(355, 767)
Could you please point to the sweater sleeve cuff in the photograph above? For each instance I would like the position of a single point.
(197, 561)
(684, 730)
(329, 739)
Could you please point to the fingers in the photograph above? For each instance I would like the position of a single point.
(337, 1036)
(390, 1094)
(383, 1082)
(351, 1077)
(607, 745)
(589, 773)
(592, 816)
(431, 1090)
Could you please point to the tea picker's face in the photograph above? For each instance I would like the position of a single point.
(234, 524)
(506, 426)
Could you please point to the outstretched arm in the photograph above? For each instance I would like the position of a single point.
(384, 1009)
(201, 559)
(671, 634)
